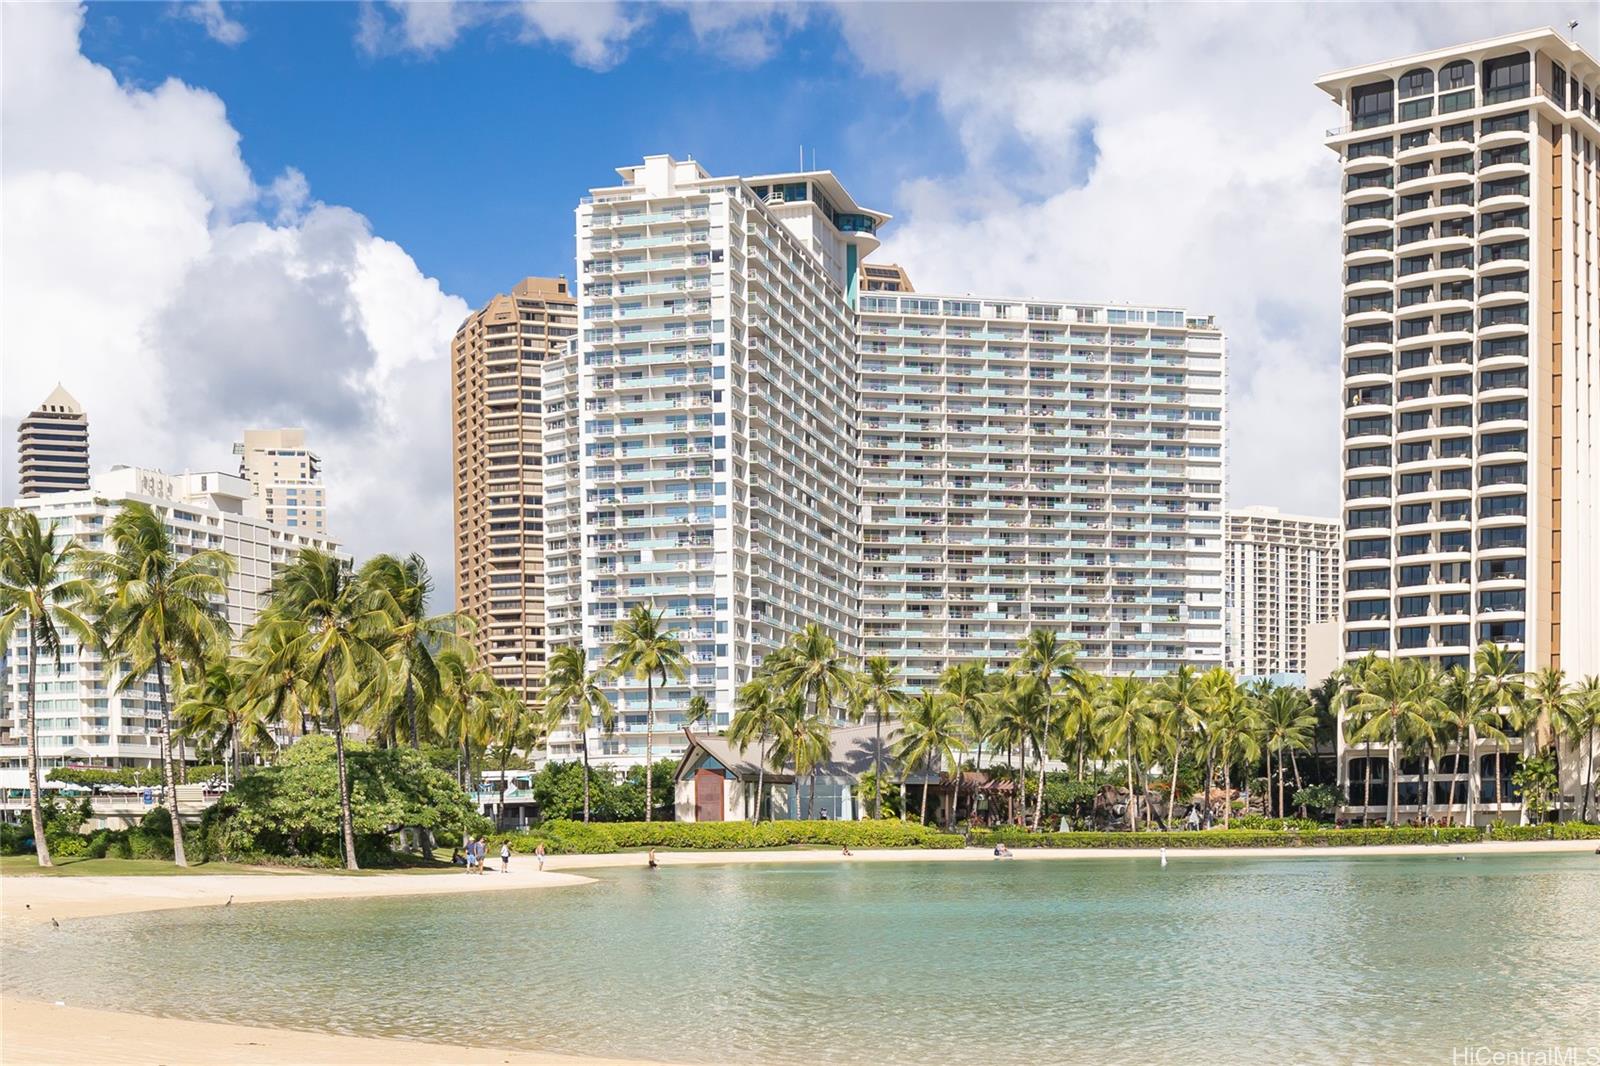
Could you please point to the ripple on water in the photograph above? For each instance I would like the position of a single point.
(1288, 960)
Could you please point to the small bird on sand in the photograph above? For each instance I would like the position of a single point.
(55, 923)
(229, 903)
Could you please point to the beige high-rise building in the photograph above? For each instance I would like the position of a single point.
(53, 447)
(1282, 574)
(286, 477)
(1470, 203)
(496, 361)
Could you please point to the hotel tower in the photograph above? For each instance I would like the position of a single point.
(743, 440)
(53, 447)
(1471, 303)
(496, 361)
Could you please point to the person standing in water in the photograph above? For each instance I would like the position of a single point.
(653, 864)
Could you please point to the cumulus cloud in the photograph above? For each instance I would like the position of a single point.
(594, 33)
(219, 26)
(1158, 154)
(182, 303)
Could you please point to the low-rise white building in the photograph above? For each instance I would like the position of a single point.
(83, 719)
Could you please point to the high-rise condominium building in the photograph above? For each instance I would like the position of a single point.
(83, 719)
(496, 360)
(53, 446)
(743, 440)
(1472, 477)
(1282, 578)
(286, 477)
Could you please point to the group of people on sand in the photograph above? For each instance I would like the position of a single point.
(474, 855)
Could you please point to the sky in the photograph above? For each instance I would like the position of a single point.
(225, 215)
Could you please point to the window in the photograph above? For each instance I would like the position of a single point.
(1415, 264)
(1496, 506)
(1501, 410)
(1505, 187)
(1414, 637)
(1415, 544)
(1359, 580)
(1505, 78)
(1461, 260)
(1453, 603)
(1514, 441)
(1362, 212)
(1455, 448)
(1453, 636)
(1415, 139)
(1456, 101)
(1510, 314)
(1372, 105)
(1456, 75)
(1456, 353)
(1418, 295)
(1363, 640)
(1412, 606)
(1368, 518)
(1380, 334)
(1502, 569)
(1413, 234)
(1379, 302)
(1417, 82)
(1517, 120)
(1366, 242)
(1493, 253)
(1506, 474)
(1366, 487)
(1503, 537)
(1413, 483)
(1371, 179)
(1374, 425)
(1366, 610)
(1359, 457)
(1511, 153)
(1369, 272)
(1460, 131)
(1517, 282)
(1412, 576)
(1455, 479)
(1382, 147)
(1413, 171)
(1515, 378)
(1454, 510)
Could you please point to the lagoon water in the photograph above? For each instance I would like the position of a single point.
(1325, 960)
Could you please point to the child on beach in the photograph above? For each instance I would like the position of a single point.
(505, 858)
(538, 853)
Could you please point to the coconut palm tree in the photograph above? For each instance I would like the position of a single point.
(1219, 696)
(514, 726)
(1500, 673)
(1580, 724)
(1288, 724)
(1468, 713)
(930, 737)
(337, 626)
(646, 649)
(1398, 698)
(276, 681)
(1053, 661)
(214, 704)
(572, 693)
(1014, 705)
(460, 710)
(813, 667)
(1181, 700)
(40, 587)
(698, 712)
(403, 587)
(878, 692)
(1127, 721)
(158, 611)
(1548, 700)
(754, 721)
(803, 738)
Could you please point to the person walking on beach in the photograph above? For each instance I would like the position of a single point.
(538, 853)
(505, 858)
(480, 848)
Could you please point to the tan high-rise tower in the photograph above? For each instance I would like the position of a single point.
(495, 365)
(286, 476)
(53, 446)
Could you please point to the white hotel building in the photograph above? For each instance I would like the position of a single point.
(1470, 198)
(740, 441)
(1283, 582)
(83, 720)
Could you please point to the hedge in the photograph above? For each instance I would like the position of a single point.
(573, 838)
(1264, 838)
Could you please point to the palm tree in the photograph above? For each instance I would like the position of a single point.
(755, 719)
(215, 704)
(1468, 713)
(1548, 701)
(1181, 699)
(878, 691)
(1127, 720)
(1014, 705)
(647, 650)
(1220, 697)
(1398, 697)
(1050, 659)
(1499, 673)
(572, 692)
(338, 627)
(275, 680)
(698, 711)
(1583, 721)
(159, 611)
(514, 726)
(813, 667)
(930, 735)
(1288, 724)
(40, 587)
(964, 685)
(460, 712)
(404, 585)
(803, 738)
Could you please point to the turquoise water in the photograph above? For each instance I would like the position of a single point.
(1297, 960)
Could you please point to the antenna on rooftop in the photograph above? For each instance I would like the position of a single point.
(1572, 29)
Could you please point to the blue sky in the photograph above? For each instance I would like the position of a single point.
(473, 158)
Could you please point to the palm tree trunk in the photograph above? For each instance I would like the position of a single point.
(761, 779)
(649, 744)
(346, 816)
(955, 800)
(1366, 786)
(1394, 773)
(1294, 764)
(178, 855)
(922, 813)
(1172, 793)
(1038, 801)
(585, 733)
(1133, 818)
(411, 711)
(41, 846)
(235, 748)
(1589, 772)
(877, 764)
(1210, 777)
(1280, 782)
(1227, 790)
(500, 811)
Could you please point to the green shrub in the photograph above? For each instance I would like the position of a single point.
(15, 839)
(1259, 821)
(1229, 838)
(599, 838)
(1551, 831)
(143, 844)
(67, 845)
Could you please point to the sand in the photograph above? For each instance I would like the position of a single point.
(36, 1032)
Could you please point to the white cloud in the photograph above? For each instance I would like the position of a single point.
(181, 303)
(209, 13)
(747, 33)
(594, 33)
(1158, 154)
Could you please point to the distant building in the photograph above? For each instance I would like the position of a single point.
(1282, 577)
(53, 446)
(496, 361)
(286, 478)
(83, 719)
(884, 277)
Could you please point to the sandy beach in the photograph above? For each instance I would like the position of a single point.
(43, 1033)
